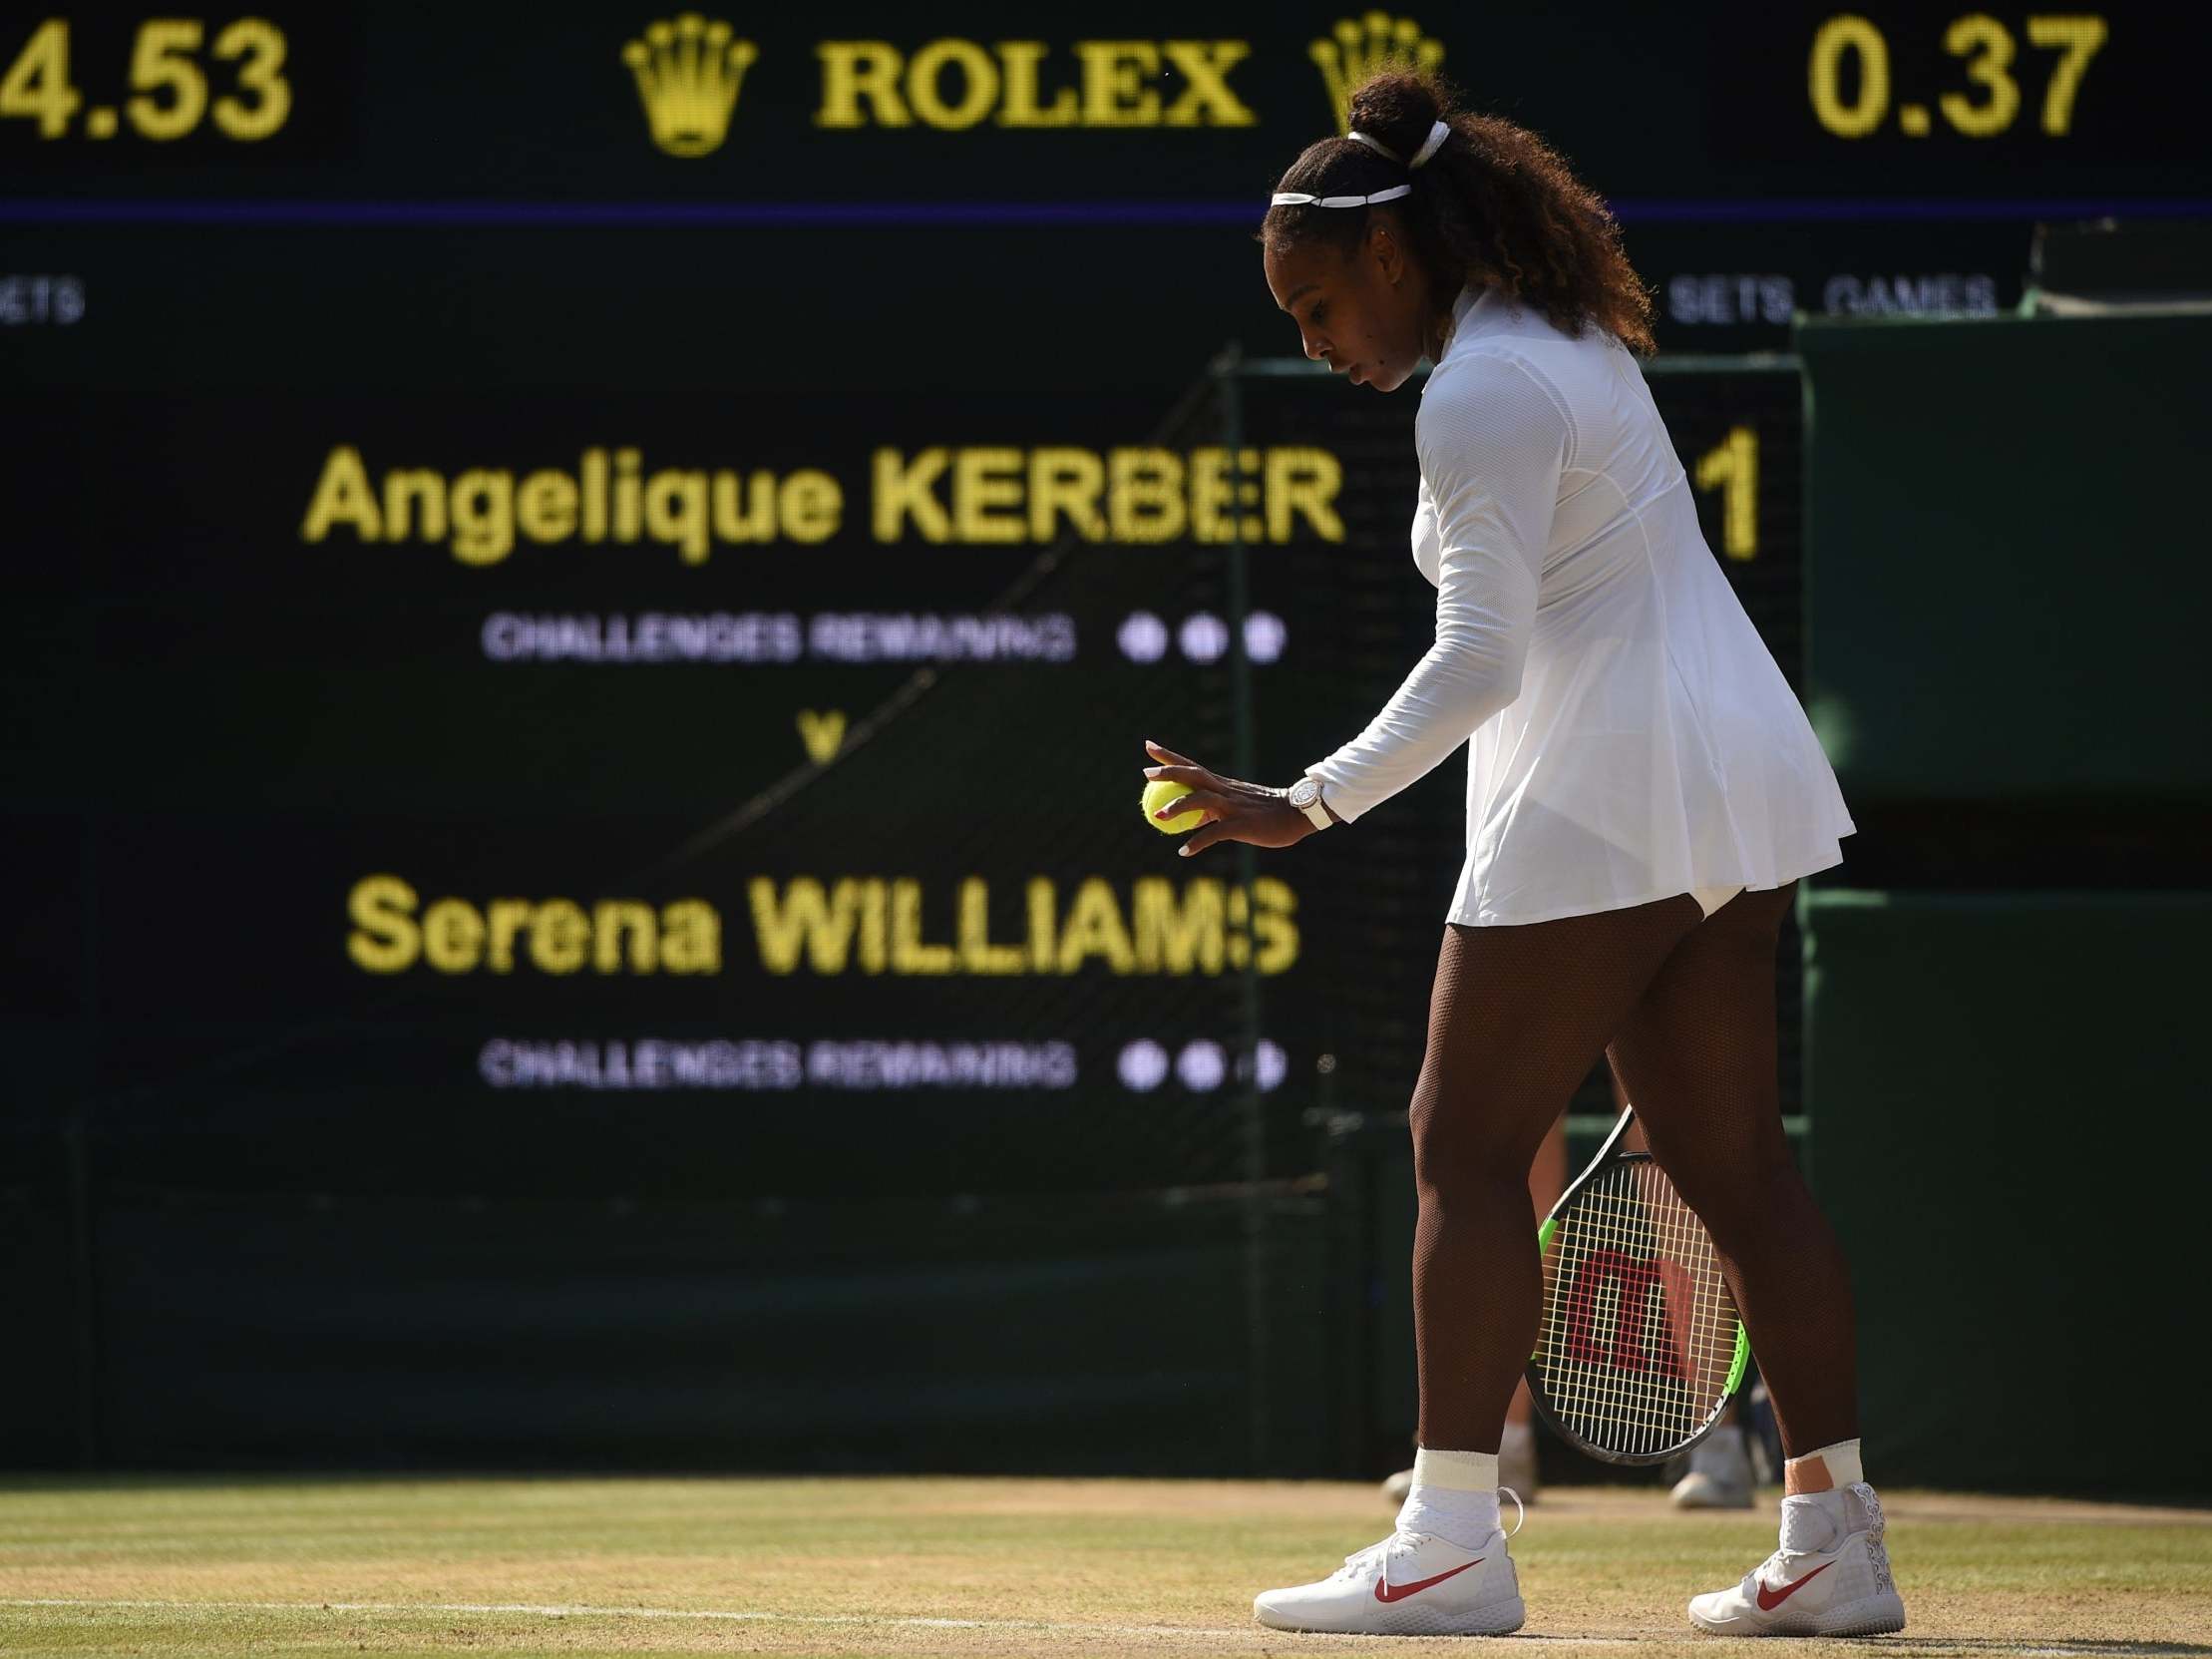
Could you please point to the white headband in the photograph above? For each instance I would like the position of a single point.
(1299, 198)
(1437, 134)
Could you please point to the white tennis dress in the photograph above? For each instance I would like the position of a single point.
(1631, 735)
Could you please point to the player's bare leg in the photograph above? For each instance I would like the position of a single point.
(1697, 1057)
(1517, 1018)
(1517, 1446)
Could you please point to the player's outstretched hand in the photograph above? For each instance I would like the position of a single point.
(1235, 810)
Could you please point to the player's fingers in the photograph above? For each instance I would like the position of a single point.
(1198, 800)
(1169, 755)
(1198, 777)
(1201, 838)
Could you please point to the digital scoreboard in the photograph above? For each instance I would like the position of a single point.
(1136, 105)
(1763, 158)
(588, 583)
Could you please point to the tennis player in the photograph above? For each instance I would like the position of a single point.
(1643, 793)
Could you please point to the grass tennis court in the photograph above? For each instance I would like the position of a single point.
(220, 1565)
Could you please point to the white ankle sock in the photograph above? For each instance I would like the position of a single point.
(1454, 1495)
(1822, 1521)
(1841, 1460)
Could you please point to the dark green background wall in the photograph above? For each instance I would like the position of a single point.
(2006, 597)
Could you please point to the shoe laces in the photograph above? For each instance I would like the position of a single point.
(1379, 1554)
(1402, 1542)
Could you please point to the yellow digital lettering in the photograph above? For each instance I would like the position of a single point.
(804, 918)
(610, 919)
(1144, 495)
(1271, 927)
(403, 490)
(811, 505)
(545, 507)
(977, 954)
(856, 69)
(873, 954)
(1095, 928)
(1018, 61)
(909, 952)
(626, 493)
(1066, 481)
(734, 521)
(1115, 73)
(1213, 495)
(1173, 938)
(482, 514)
(557, 936)
(1044, 912)
(594, 495)
(1303, 481)
(506, 918)
(1207, 100)
(384, 938)
(979, 76)
(903, 487)
(453, 935)
(342, 496)
(691, 937)
(986, 483)
(676, 510)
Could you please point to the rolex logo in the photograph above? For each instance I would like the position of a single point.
(1356, 47)
(688, 72)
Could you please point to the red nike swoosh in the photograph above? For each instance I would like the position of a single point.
(1772, 1599)
(1387, 1591)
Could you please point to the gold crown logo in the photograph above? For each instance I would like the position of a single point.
(688, 72)
(1356, 47)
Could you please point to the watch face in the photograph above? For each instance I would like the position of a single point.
(1305, 793)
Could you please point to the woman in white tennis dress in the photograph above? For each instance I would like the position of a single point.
(1643, 792)
(1632, 737)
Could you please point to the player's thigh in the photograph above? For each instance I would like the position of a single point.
(1696, 1054)
(1517, 1018)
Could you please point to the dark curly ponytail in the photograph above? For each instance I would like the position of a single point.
(1495, 204)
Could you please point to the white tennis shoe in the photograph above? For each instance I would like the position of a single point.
(1720, 1475)
(1409, 1584)
(1842, 1589)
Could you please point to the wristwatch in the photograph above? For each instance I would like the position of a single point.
(1305, 795)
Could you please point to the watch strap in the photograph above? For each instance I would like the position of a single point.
(1318, 813)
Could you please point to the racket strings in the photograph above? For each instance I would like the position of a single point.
(1639, 1330)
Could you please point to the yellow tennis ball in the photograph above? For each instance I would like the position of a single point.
(1157, 795)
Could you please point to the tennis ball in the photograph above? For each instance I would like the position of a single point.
(1157, 795)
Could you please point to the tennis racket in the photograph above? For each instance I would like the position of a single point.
(1641, 1349)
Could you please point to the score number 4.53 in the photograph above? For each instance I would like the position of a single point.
(170, 95)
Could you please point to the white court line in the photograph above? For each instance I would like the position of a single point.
(1898, 1644)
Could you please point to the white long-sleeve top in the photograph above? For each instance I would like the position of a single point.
(1628, 735)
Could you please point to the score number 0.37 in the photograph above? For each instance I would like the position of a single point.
(1851, 49)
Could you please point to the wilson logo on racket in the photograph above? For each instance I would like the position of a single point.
(1639, 1281)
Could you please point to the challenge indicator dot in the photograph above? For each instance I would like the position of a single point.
(1913, 118)
(100, 123)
